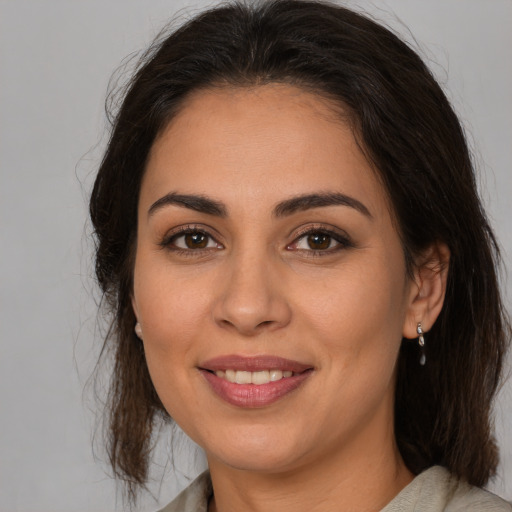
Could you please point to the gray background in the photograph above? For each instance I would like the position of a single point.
(56, 58)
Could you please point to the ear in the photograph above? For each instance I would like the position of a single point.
(137, 327)
(135, 308)
(428, 289)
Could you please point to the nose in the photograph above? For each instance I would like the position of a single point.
(251, 298)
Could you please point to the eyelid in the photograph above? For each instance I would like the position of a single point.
(340, 236)
(178, 231)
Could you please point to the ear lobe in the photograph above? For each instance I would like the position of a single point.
(428, 289)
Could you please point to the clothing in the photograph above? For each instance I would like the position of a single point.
(434, 490)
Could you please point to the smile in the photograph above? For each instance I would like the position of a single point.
(258, 378)
(251, 382)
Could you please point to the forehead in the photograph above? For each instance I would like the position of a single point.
(258, 143)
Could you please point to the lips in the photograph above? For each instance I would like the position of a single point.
(254, 381)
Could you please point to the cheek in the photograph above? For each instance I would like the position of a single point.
(161, 295)
(359, 328)
(171, 310)
(359, 313)
(171, 314)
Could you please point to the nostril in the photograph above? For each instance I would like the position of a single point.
(245, 326)
(239, 307)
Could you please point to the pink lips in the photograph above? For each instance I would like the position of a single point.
(252, 395)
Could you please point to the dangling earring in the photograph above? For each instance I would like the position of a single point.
(138, 330)
(421, 343)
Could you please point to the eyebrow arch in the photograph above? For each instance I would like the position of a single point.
(308, 201)
(204, 204)
(198, 203)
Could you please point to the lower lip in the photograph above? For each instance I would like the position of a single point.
(252, 395)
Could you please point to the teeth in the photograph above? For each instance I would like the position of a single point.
(261, 377)
(275, 375)
(243, 377)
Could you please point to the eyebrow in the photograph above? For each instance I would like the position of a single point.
(321, 199)
(198, 203)
(204, 204)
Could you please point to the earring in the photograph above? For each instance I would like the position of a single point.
(421, 343)
(138, 330)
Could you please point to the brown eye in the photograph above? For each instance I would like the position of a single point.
(191, 240)
(196, 240)
(319, 241)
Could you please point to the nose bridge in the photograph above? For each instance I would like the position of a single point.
(250, 299)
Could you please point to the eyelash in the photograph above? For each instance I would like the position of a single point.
(170, 239)
(342, 241)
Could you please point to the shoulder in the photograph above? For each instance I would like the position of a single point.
(194, 498)
(467, 498)
(436, 490)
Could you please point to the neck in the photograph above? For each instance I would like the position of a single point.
(363, 477)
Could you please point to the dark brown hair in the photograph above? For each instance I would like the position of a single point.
(409, 132)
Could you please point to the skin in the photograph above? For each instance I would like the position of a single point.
(258, 288)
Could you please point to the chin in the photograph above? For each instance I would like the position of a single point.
(255, 452)
(267, 463)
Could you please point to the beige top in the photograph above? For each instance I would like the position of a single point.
(434, 490)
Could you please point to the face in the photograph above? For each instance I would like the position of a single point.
(269, 280)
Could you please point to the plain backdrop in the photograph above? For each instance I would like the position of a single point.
(56, 59)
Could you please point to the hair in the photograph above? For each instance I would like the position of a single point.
(412, 137)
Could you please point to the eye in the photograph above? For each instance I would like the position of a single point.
(320, 241)
(191, 239)
(194, 240)
(316, 242)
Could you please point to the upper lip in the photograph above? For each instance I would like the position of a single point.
(253, 364)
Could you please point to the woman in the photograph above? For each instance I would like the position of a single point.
(300, 270)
